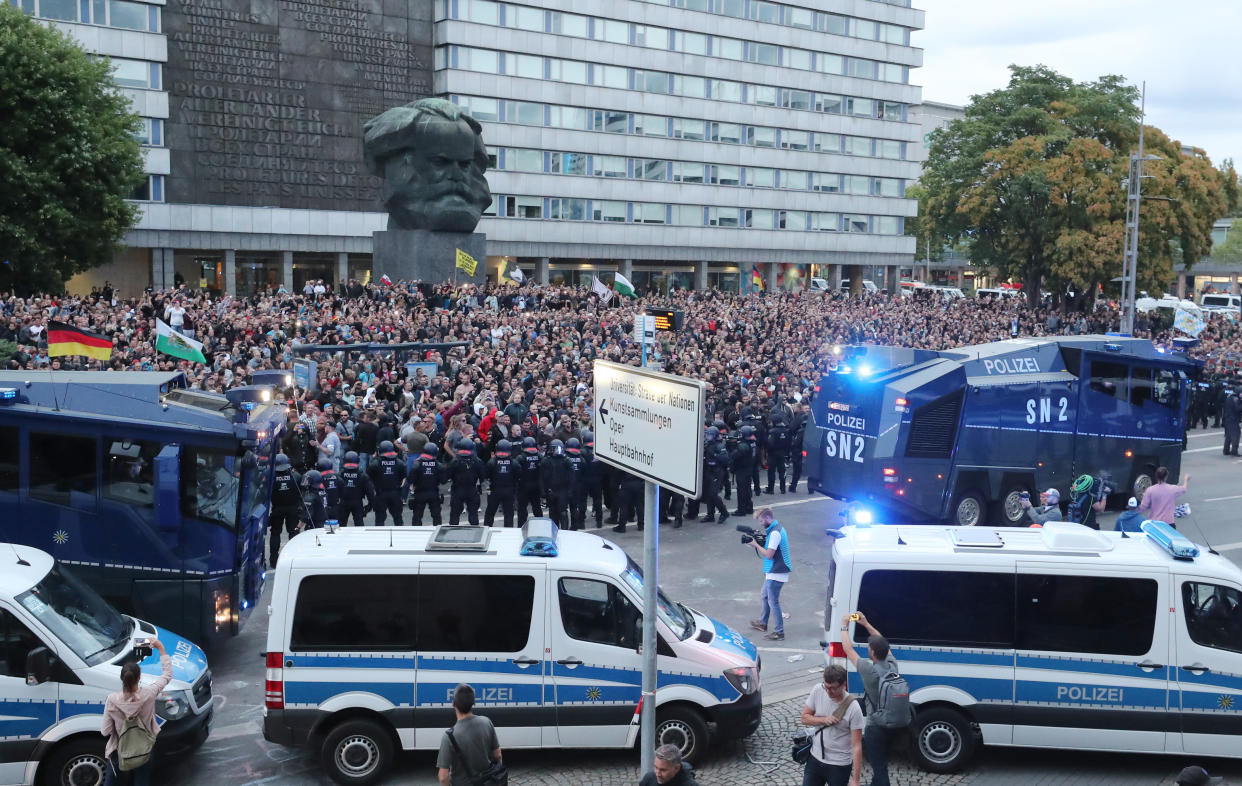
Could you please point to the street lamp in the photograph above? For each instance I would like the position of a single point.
(1134, 198)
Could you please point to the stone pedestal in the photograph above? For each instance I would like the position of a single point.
(422, 255)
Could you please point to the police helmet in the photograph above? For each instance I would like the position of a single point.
(385, 447)
(713, 433)
(573, 444)
(282, 461)
(747, 412)
(556, 447)
(504, 446)
(529, 444)
(465, 447)
(324, 465)
(748, 431)
(313, 478)
(351, 457)
(588, 438)
(431, 449)
(720, 425)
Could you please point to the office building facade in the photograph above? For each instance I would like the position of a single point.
(682, 142)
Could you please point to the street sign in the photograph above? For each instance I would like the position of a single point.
(644, 329)
(650, 424)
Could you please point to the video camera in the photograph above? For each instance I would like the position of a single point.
(749, 534)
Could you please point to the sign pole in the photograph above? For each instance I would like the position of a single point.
(651, 546)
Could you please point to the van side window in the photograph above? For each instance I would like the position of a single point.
(16, 641)
(598, 612)
(350, 612)
(938, 608)
(9, 458)
(1109, 378)
(464, 613)
(1098, 614)
(129, 471)
(1140, 386)
(1213, 615)
(62, 469)
(1167, 389)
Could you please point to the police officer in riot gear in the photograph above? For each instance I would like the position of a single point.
(577, 483)
(465, 474)
(593, 477)
(729, 440)
(424, 482)
(715, 465)
(318, 500)
(797, 430)
(355, 490)
(630, 501)
(286, 502)
(387, 470)
(778, 450)
(529, 482)
(331, 488)
(1233, 422)
(502, 477)
(742, 461)
(758, 440)
(554, 475)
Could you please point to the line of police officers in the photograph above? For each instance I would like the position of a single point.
(563, 477)
(1215, 399)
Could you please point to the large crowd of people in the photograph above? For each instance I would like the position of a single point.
(524, 366)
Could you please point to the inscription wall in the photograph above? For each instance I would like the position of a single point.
(268, 97)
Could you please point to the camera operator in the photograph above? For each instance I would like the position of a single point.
(776, 567)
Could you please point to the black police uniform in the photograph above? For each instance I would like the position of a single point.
(554, 475)
(356, 491)
(424, 480)
(593, 483)
(630, 501)
(318, 503)
(502, 478)
(758, 440)
(387, 472)
(529, 490)
(1233, 420)
(798, 431)
(742, 461)
(332, 495)
(778, 451)
(465, 474)
(286, 502)
(577, 488)
(715, 464)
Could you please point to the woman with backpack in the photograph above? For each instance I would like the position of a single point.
(129, 723)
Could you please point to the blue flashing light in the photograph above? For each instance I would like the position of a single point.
(861, 517)
(8, 394)
(245, 605)
(1170, 540)
(844, 369)
(539, 538)
(865, 370)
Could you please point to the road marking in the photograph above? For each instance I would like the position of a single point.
(1229, 547)
(1222, 499)
(1206, 434)
(1200, 450)
(817, 498)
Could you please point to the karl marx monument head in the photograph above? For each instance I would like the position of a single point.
(432, 159)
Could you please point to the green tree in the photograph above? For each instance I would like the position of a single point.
(68, 157)
(1032, 176)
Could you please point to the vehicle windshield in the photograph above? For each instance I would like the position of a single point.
(676, 616)
(76, 615)
(216, 480)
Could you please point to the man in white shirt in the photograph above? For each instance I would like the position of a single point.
(836, 749)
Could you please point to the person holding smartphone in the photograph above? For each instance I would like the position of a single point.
(132, 701)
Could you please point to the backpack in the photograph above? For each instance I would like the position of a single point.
(133, 747)
(892, 708)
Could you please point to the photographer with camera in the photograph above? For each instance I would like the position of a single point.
(777, 565)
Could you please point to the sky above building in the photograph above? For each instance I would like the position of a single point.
(1187, 52)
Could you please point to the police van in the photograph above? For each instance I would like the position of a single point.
(1060, 637)
(372, 629)
(61, 650)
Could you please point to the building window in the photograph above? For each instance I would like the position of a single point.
(887, 148)
(726, 132)
(798, 58)
(893, 34)
(760, 177)
(151, 132)
(826, 222)
(760, 137)
(856, 184)
(480, 108)
(650, 213)
(524, 207)
(762, 11)
(685, 172)
(793, 180)
(687, 215)
(690, 43)
(763, 95)
(764, 54)
(569, 163)
(131, 16)
(889, 187)
(800, 17)
(482, 60)
(526, 113)
(887, 225)
(570, 24)
(650, 170)
(484, 12)
(863, 28)
(724, 175)
(612, 122)
(690, 86)
(760, 219)
(796, 140)
(792, 219)
(684, 128)
(569, 117)
(854, 223)
(612, 31)
(826, 182)
(724, 90)
(135, 73)
(651, 37)
(524, 18)
(612, 76)
(650, 125)
(832, 24)
(524, 160)
(796, 99)
(864, 69)
(828, 103)
(722, 216)
(860, 107)
(892, 110)
(727, 48)
(608, 166)
(568, 71)
(562, 209)
(150, 190)
(606, 210)
(651, 81)
(826, 143)
(857, 146)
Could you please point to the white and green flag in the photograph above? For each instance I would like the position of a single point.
(622, 285)
(170, 342)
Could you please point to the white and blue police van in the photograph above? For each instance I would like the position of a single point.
(373, 628)
(61, 651)
(1061, 637)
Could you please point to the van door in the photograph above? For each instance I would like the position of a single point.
(482, 624)
(26, 711)
(1209, 665)
(1093, 650)
(596, 667)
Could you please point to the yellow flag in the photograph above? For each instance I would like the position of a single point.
(466, 262)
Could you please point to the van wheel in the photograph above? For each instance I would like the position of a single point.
(683, 727)
(357, 752)
(944, 741)
(1142, 482)
(968, 508)
(1008, 509)
(78, 762)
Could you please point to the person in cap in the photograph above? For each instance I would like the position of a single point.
(1197, 776)
(1131, 519)
(1048, 510)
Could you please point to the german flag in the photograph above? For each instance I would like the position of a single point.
(65, 339)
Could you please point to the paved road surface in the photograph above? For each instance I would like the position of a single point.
(705, 566)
